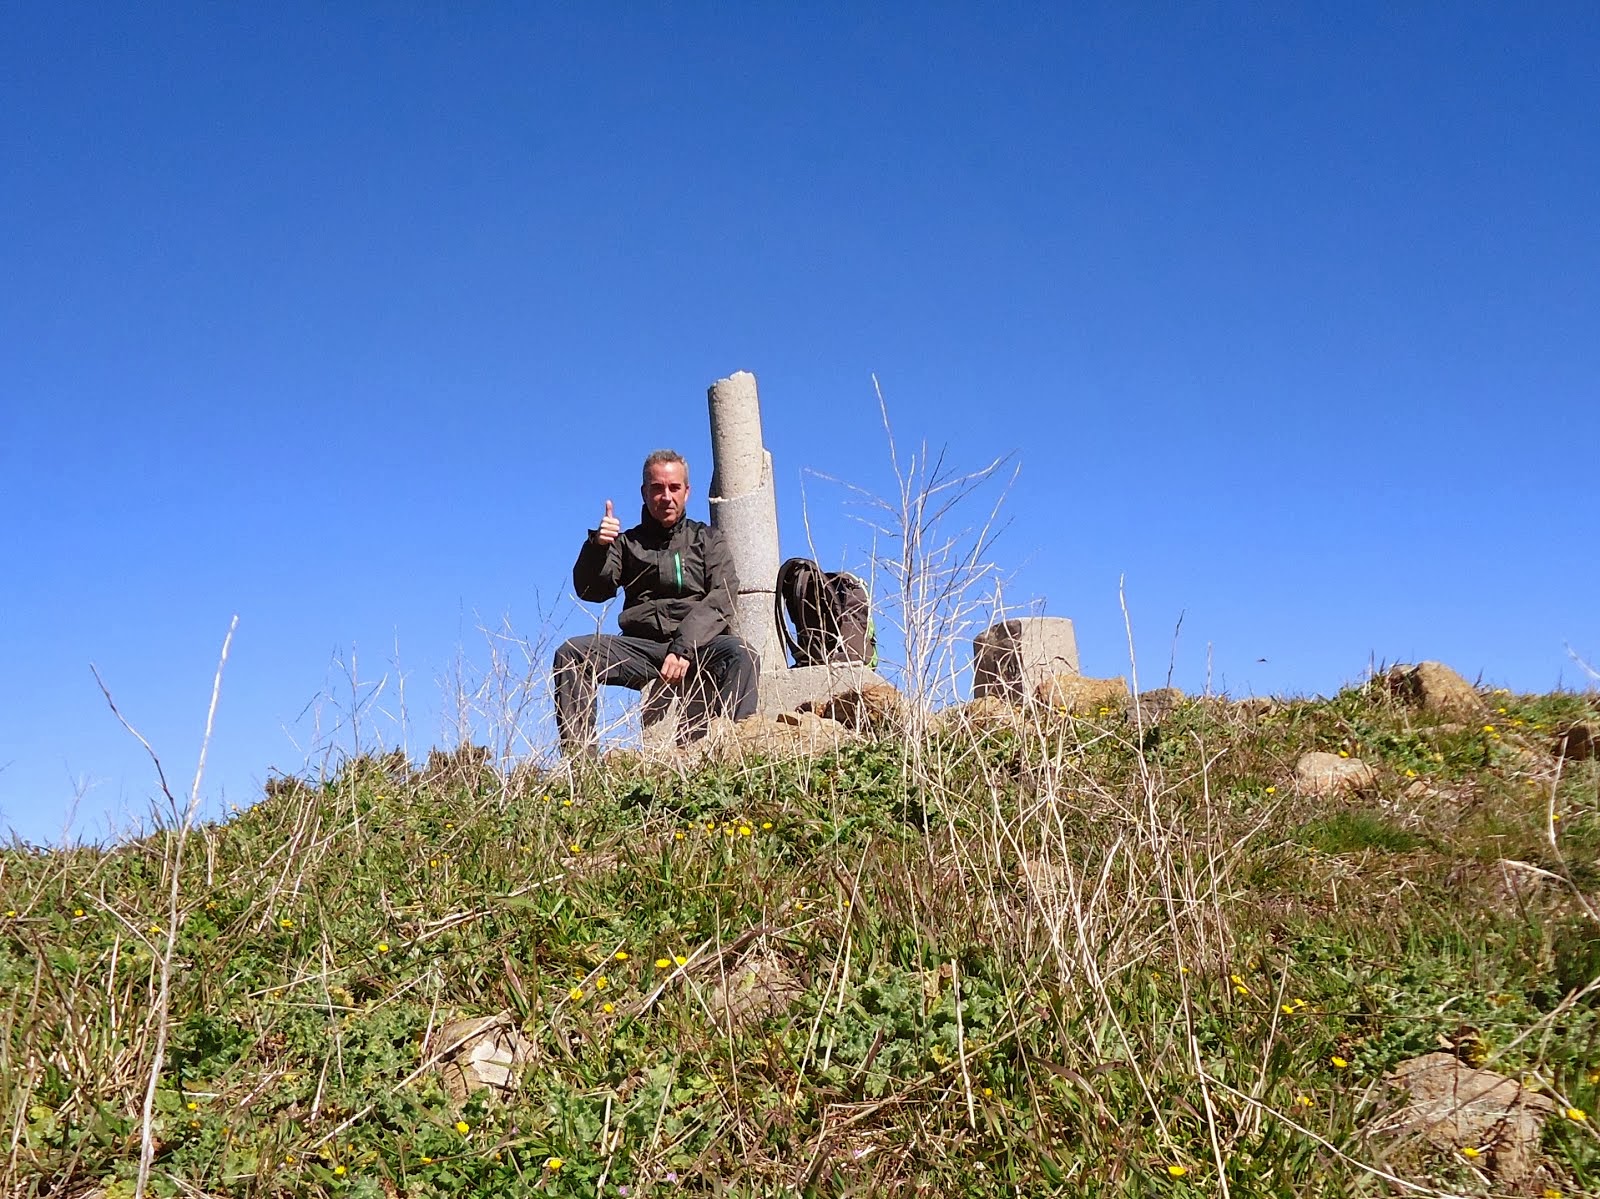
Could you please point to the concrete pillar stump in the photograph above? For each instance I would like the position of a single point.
(1011, 659)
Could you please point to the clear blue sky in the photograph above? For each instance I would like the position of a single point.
(348, 319)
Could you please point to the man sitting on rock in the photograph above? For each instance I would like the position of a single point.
(678, 586)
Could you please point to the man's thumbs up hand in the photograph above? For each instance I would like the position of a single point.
(610, 527)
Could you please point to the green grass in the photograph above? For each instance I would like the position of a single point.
(1200, 948)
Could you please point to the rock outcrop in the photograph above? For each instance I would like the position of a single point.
(875, 706)
(1078, 695)
(1329, 774)
(1454, 1106)
(1577, 742)
(1434, 687)
(483, 1053)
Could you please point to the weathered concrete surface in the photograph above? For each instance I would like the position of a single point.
(744, 509)
(1011, 659)
(808, 686)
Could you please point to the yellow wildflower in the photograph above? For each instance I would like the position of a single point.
(601, 983)
(663, 963)
(1177, 1171)
(744, 830)
(1302, 1100)
(766, 824)
(426, 1160)
(1338, 1062)
(1469, 1151)
(553, 1163)
(607, 1008)
(1272, 790)
(575, 994)
(463, 1127)
(680, 959)
(383, 947)
(1577, 1115)
(286, 923)
(621, 955)
(338, 1170)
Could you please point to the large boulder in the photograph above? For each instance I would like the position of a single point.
(1011, 659)
(1076, 695)
(1434, 687)
(1329, 774)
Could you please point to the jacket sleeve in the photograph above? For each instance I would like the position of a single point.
(717, 612)
(597, 573)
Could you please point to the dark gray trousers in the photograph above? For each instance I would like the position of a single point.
(721, 681)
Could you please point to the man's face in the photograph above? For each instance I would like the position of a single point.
(666, 492)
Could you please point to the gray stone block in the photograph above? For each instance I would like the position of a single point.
(777, 691)
(786, 690)
(1011, 659)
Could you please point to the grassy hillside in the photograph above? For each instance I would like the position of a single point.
(1032, 956)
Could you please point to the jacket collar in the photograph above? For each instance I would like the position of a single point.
(655, 531)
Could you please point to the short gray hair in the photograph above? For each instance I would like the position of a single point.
(659, 457)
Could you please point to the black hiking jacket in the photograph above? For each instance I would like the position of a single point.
(678, 584)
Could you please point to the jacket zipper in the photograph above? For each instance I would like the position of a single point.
(677, 562)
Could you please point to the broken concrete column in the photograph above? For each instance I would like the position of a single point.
(744, 508)
(1011, 659)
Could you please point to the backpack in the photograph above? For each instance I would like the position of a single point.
(831, 611)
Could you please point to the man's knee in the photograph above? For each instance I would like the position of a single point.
(732, 650)
(575, 651)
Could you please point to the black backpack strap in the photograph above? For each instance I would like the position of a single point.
(785, 573)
